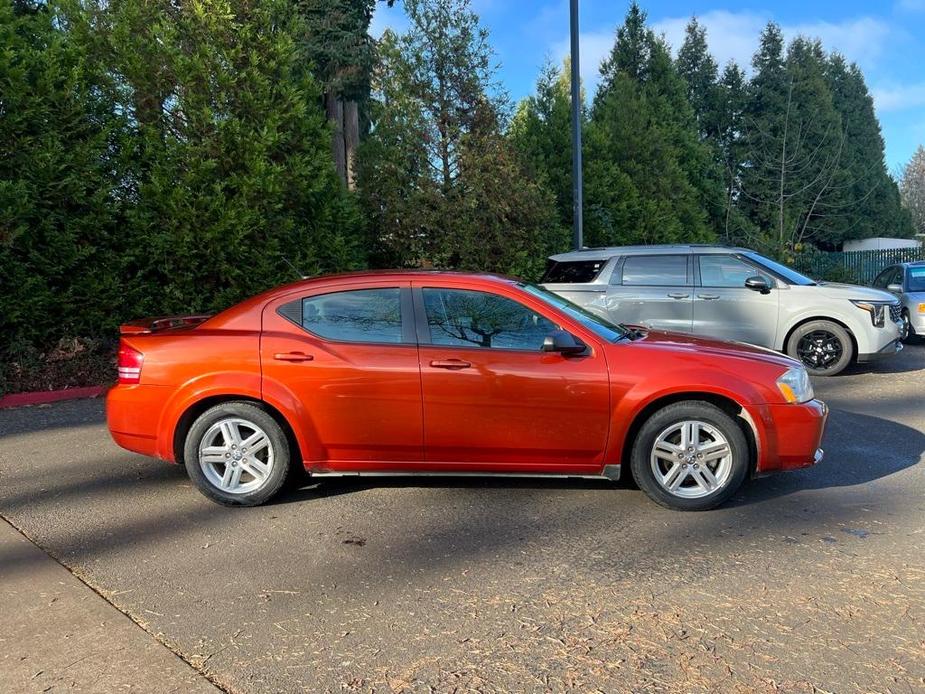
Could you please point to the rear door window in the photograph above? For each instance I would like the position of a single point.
(573, 271)
(358, 315)
(655, 271)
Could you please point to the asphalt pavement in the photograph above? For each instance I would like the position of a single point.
(806, 582)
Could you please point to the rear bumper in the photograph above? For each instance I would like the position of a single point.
(133, 413)
(791, 436)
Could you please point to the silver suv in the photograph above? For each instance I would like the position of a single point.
(731, 294)
(907, 281)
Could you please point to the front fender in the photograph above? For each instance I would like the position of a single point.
(633, 399)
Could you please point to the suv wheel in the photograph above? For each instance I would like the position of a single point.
(237, 454)
(822, 346)
(690, 456)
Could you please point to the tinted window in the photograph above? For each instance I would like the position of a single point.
(465, 318)
(360, 315)
(726, 271)
(884, 278)
(917, 278)
(573, 271)
(655, 270)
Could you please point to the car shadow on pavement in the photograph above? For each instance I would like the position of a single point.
(852, 457)
(850, 460)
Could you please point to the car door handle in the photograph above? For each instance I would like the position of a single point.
(678, 295)
(708, 297)
(292, 356)
(452, 364)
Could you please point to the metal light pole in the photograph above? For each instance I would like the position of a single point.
(577, 231)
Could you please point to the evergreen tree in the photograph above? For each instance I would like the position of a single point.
(542, 132)
(699, 71)
(649, 178)
(60, 211)
(342, 54)
(440, 184)
(731, 100)
(794, 143)
(231, 180)
(869, 203)
(913, 189)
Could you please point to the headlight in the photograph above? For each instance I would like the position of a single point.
(876, 309)
(795, 386)
(921, 308)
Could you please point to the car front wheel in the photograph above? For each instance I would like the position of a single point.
(824, 347)
(906, 332)
(237, 454)
(690, 456)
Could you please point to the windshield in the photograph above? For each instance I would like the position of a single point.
(789, 274)
(917, 278)
(600, 326)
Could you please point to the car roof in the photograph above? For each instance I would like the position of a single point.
(606, 252)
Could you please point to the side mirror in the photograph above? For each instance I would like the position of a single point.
(758, 284)
(895, 288)
(563, 342)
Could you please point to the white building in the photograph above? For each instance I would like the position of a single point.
(880, 244)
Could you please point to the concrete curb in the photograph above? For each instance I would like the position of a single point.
(43, 397)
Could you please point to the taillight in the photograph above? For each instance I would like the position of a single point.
(129, 364)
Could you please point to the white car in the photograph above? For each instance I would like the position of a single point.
(732, 294)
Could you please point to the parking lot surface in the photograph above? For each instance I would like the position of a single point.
(806, 582)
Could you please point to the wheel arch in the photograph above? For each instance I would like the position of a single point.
(804, 321)
(193, 412)
(734, 409)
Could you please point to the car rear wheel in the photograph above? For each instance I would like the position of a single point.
(823, 347)
(237, 454)
(690, 456)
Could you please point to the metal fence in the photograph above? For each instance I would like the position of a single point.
(860, 267)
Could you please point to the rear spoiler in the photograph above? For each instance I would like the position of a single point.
(145, 326)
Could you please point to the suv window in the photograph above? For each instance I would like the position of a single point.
(465, 318)
(917, 278)
(723, 271)
(885, 278)
(572, 271)
(357, 315)
(655, 271)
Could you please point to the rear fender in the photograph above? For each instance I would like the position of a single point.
(231, 384)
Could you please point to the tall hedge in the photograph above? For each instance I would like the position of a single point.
(156, 158)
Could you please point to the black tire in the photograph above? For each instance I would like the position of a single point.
(674, 415)
(241, 413)
(822, 346)
(908, 332)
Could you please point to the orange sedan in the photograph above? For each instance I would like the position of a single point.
(400, 373)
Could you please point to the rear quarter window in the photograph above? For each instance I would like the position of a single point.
(357, 315)
(572, 271)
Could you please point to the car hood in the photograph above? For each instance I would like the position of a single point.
(836, 290)
(704, 345)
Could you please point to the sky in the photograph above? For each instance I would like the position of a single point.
(886, 38)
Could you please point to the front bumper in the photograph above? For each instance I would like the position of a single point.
(887, 350)
(791, 436)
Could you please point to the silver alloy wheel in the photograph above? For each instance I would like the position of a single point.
(236, 456)
(691, 459)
